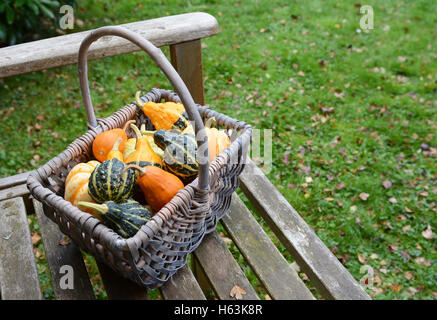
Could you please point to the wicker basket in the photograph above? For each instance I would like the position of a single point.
(162, 245)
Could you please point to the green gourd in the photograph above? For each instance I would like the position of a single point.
(125, 217)
(179, 152)
(108, 182)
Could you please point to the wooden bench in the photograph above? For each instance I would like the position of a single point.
(213, 265)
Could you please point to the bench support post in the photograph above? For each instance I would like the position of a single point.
(186, 58)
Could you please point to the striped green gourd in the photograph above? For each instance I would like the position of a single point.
(125, 217)
(108, 183)
(179, 152)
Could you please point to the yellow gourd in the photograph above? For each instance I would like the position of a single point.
(144, 154)
(218, 140)
(76, 184)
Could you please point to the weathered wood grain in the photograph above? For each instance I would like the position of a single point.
(222, 270)
(182, 286)
(14, 180)
(63, 50)
(18, 273)
(59, 255)
(119, 288)
(274, 272)
(327, 274)
(19, 191)
(186, 58)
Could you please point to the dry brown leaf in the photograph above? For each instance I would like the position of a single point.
(361, 258)
(64, 241)
(393, 200)
(225, 239)
(286, 159)
(427, 233)
(340, 186)
(422, 261)
(237, 292)
(396, 287)
(406, 228)
(363, 196)
(36, 237)
(386, 184)
(37, 253)
(408, 275)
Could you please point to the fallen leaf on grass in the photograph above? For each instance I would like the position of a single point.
(237, 292)
(286, 159)
(408, 275)
(386, 184)
(340, 186)
(396, 287)
(427, 233)
(36, 237)
(422, 261)
(361, 258)
(406, 228)
(393, 200)
(64, 241)
(37, 253)
(363, 196)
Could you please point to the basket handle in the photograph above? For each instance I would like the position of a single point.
(174, 78)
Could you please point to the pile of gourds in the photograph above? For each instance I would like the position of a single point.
(130, 180)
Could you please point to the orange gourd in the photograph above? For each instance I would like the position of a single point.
(144, 154)
(104, 142)
(157, 185)
(165, 116)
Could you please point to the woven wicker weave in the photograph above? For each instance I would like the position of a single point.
(162, 245)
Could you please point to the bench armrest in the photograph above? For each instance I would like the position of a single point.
(63, 50)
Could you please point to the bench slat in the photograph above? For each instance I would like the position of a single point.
(18, 273)
(119, 288)
(20, 191)
(271, 268)
(220, 267)
(58, 255)
(14, 180)
(327, 274)
(63, 50)
(182, 286)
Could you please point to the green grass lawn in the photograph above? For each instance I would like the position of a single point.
(353, 116)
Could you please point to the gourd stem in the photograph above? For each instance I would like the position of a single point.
(134, 166)
(100, 208)
(137, 131)
(127, 124)
(116, 145)
(210, 122)
(147, 132)
(138, 101)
